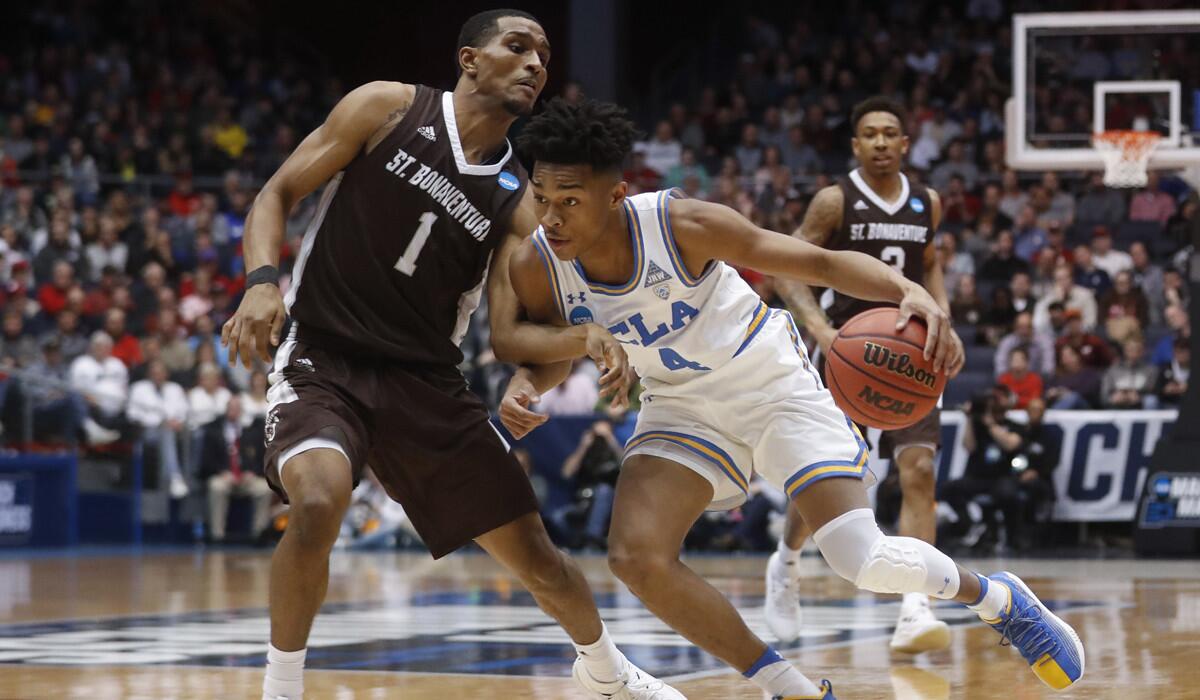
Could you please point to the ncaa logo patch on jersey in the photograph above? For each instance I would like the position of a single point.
(917, 205)
(508, 181)
(581, 315)
(663, 291)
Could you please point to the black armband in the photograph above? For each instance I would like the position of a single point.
(267, 274)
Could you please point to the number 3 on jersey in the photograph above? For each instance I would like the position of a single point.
(408, 262)
(893, 255)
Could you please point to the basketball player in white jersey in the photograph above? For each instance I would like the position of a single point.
(729, 392)
(877, 211)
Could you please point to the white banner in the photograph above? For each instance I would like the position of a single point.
(1104, 458)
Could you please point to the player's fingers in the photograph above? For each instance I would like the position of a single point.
(277, 328)
(246, 343)
(931, 339)
(942, 348)
(230, 335)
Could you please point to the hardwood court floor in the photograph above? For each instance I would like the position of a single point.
(158, 626)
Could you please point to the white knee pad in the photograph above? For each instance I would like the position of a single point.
(859, 552)
(892, 566)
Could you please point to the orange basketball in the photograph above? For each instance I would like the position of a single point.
(879, 376)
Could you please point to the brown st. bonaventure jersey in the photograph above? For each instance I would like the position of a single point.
(393, 264)
(896, 233)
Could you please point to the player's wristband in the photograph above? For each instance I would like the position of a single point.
(267, 274)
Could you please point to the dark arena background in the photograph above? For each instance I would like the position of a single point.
(137, 531)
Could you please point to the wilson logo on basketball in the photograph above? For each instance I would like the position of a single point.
(886, 403)
(896, 363)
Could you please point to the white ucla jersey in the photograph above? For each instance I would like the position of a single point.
(674, 327)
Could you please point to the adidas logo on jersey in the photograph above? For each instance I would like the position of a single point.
(656, 275)
(860, 205)
(427, 132)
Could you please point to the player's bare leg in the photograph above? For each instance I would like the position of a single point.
(558, 586)
(845, 530)
(318, 483)
(657, 502)
(917, 629)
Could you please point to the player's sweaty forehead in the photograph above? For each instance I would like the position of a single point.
(522, 28)
(878, 121)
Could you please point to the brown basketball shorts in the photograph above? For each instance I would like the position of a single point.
(420, 429)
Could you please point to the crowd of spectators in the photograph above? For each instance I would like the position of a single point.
(128, 164)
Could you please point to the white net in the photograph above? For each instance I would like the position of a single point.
(1126, 155)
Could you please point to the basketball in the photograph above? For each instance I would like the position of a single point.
(879, 376)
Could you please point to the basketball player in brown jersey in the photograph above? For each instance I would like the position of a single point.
(421, 193)
(875, 210)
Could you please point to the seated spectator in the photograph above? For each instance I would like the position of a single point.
(1100, 205)
(1024, 384)
(1038, 345)
(1130, 383)
(1012, 198)
(207, 400)
(60, 248)
(17, 347)
(1021, 292)
(1002, 264)
(577, 396)
(52, 295)
(954, 263)
(1070, 295)
(1107, 259)
(1074, 385)
(70, 335)
(663, 152)
(1030, 237)
(959, 206)
(104, 383)
(57, 410)
(592, 468)
(798, 156)
(687, 167)
(159, 408)
(1180, 327)
(1094, 351)
(172, 340)
(956, 163)
(254, 398)
(108, 250)
(1125, 309)
(1173, 382)
(1089, 276)
(232, 461)
(126, 348)
(966, 306)
(1061, 205)
(990, 212)
(641, 177)
(1151, 203)
(1148, 277)
(999, 317)
(1042, 274)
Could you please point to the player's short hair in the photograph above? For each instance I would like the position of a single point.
(878, 103)
(588, 132)
(481, 27)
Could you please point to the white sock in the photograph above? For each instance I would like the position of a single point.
(915, 599)
(992, 600)
(285, 674)
(778, 677)
(601, 658)
(787, 555)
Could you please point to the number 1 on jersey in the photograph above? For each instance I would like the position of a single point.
(408, 262)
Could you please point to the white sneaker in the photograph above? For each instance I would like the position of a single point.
(97, 434)
(918, 630)
(632, 684)
(179, 487)
(782, 608)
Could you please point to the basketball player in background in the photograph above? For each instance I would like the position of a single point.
(876, 211)
(729, 392)
(422, 192)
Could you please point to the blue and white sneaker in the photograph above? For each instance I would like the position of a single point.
(826, 694)
(1048, 644)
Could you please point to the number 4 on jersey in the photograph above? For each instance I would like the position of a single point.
(674, 361)
(408, 262)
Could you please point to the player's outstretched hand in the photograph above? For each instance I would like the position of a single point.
(255, 327)
(941, 342)
(616, 375)
(514, 407)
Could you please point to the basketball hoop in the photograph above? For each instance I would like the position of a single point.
(1126, 155)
